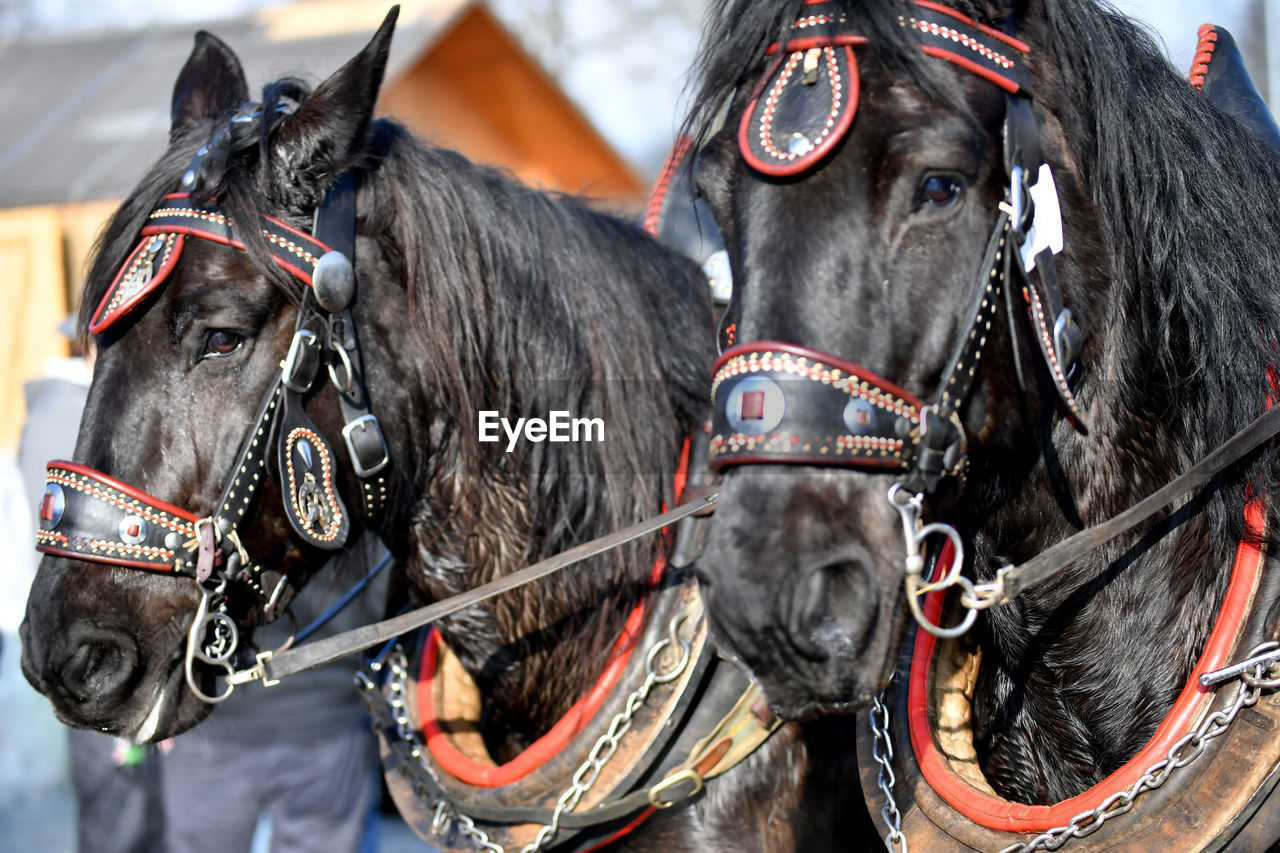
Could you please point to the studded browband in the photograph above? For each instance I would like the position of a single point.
(88, 515)
(780, 403)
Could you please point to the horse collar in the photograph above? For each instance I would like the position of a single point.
(664, 716)
(943, 798)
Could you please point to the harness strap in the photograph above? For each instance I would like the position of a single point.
(274, 666)
(335, 224)
(1015, 580)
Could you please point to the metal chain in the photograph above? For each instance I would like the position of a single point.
(605, 747)
(893, 839)
(1265, 675)
(586, 774)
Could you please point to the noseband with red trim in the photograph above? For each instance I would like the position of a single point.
(88, 515)
(780, 403)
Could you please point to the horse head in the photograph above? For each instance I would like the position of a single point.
(872, 168)
(203, 494)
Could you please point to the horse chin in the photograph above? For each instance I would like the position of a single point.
(808, 602)
(171, 710)
(121, 676)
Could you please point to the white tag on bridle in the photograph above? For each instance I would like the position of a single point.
(1046, 223)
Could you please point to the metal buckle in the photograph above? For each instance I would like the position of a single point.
(365, 469)
(689, 774)
(300, 366)
(1018, 199)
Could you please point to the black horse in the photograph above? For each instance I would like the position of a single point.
(209, 446)
(869, 165)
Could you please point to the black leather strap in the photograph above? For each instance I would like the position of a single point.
(1044, 565)
(275, 667)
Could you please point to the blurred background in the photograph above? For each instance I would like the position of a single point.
(573, 95)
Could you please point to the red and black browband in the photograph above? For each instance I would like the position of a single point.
(808, 97)
(177, 218)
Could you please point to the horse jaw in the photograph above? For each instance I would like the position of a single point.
(123, 677)
(822, 624)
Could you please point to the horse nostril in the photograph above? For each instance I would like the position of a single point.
(98, 666)
(834, 608)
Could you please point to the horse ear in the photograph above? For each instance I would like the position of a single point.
(328, 127)
(210, 85)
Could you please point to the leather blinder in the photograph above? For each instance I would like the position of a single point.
(805, 107)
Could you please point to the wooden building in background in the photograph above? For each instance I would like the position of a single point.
(87, 117)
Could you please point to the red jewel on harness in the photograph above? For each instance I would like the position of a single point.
(52, 506)
(755, 405)
(132, 530)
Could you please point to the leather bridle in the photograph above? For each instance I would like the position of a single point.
(781, 403)
(88, 515)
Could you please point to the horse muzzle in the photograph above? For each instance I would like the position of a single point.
(99, 673)
(807, 606)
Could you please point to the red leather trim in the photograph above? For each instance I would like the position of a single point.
(996, 813)
(810, 42)
(658, 198)
(193, 231)
(160, 568)
(1016, 44)
(626, 830)
(814, 459)
(815, 355)
(1208, 41)
(136, 494)
(969, 65)
(104, 317)
(554, 741)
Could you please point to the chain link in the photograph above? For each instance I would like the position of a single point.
(659, 670)
(1265, 675)
(883, 753)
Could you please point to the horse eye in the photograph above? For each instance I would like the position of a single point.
(939, 189)
(221, 342)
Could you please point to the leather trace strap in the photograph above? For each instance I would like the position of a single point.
(272, 667)
(1014, 580)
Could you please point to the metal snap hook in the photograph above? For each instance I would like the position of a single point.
(194, 650)
(348, 373)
